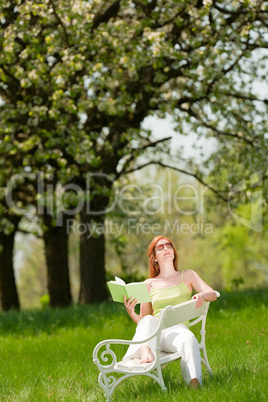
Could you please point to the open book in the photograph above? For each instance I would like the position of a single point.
(138, 290)
(133, 365)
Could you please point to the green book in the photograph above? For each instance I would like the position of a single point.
(138, 290)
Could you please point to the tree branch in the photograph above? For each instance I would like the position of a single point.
(60, 22)
(215, 129)
(245, 97)
(233, 14)
(199, 179)
(4, 94)
(132, 155)
(109, 13)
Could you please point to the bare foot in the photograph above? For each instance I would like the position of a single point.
(194, 383)
(146, 354)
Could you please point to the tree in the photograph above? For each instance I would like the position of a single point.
(56, 252)
(77, 80)
(8, 289)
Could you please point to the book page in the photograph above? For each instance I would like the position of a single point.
(117, 291)
(136, 290)
(118, 280)
(139, 291)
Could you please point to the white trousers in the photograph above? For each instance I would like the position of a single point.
(174, 339)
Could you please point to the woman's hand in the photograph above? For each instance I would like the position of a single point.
(200, 298)
(130, 305)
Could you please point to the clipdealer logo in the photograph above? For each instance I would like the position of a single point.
(51, 199)
(254, 221)
(109, 227)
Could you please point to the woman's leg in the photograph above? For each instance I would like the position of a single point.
(180, 339)
(146, 326)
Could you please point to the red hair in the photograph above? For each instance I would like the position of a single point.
(153, 265)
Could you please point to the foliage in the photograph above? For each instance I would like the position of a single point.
(243, 254)
(208, 239)
(44, 301)
(78, 78)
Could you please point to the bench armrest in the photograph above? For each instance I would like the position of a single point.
(103, 356)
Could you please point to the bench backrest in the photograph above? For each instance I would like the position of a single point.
(182, 312)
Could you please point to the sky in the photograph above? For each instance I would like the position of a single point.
(164, 128)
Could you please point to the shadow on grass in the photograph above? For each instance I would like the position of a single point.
(144, 388)
(32, 322)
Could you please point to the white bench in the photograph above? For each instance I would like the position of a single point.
(113, 372)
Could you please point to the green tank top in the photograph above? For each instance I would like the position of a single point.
(170, 296)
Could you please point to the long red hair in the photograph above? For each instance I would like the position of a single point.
(153, 265)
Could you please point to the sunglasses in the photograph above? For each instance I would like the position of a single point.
(162, 246)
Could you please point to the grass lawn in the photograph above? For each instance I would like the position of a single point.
(46, 355)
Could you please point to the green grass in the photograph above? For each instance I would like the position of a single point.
(46, 355)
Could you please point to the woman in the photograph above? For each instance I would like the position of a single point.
(167, 286)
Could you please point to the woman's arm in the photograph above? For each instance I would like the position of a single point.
(205, 292)
(146, 308)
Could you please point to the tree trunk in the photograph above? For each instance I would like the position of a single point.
(56, 252)
(8, 289)
(92, 260)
